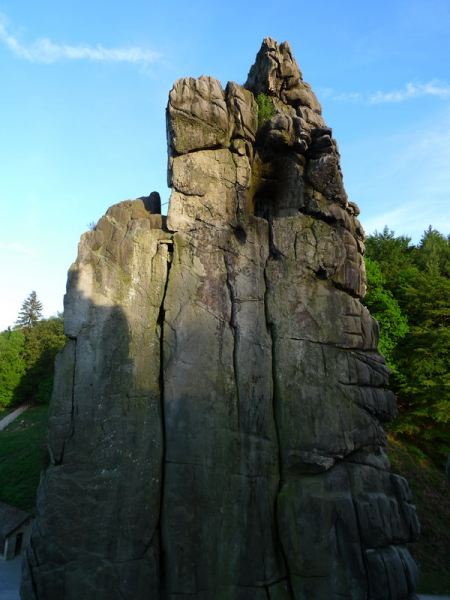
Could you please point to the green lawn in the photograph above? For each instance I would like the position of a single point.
(22, 451)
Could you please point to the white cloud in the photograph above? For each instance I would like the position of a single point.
(44, 50)
(15, 247)
(413, 90)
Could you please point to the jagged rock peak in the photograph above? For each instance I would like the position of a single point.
(216, 421)
(276, 73)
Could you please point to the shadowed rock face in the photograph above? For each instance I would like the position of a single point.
(215, 428)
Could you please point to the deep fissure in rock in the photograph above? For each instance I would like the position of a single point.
(162, 557)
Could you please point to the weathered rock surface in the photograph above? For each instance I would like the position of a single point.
(215, 426)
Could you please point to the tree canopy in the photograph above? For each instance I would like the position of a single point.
(12, 364)
(27, 355)
(409, 294)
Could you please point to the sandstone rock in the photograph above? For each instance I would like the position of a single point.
(215, 427)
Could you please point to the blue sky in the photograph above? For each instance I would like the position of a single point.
(84, 87)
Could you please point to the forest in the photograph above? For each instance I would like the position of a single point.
(27, 355)
(408, 292)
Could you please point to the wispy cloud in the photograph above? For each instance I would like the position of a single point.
(15, 247)
(349, 97)
(344, 96)
(413, 90)
(44, 50)
(404, 180)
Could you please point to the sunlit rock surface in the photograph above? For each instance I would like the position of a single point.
(215, 429)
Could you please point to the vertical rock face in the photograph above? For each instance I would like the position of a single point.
(215, 426)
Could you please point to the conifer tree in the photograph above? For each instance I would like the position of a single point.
(411, 284)
(30, 312)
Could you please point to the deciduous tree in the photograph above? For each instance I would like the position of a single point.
(12, 365)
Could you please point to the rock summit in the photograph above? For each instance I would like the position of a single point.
(216, 420)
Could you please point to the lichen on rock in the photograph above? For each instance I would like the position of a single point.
(216, 423)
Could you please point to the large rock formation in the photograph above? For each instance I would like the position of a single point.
(215, 427)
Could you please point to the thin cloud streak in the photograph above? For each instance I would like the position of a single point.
(45, 51)
(413, 90)
(349, 97)
(15, 247)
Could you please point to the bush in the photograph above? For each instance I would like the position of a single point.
(266, 109)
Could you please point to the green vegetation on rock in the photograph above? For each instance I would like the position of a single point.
(266, 109)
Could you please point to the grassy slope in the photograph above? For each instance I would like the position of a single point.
(22, 450)
(431, 493)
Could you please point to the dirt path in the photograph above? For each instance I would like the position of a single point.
(10, 418)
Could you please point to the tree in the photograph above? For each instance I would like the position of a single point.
(434, 253)
(418, 279)
(386, 310)
(392, 254)
(42, 343)
(12, 365)
(30, 312)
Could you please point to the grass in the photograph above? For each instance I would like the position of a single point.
(23, 448)
(431, 493)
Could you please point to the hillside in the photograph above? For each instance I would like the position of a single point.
(23, 448)
(431, 492)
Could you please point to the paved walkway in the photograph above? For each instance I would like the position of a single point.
(10, 575)
(15, 413)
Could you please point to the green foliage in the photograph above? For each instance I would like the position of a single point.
(386, 310)
(27, 357)
(42, 343)
(12, 364)
(23, 448)
(30, 312)
(434, 255)
(417, 279)
(392, 254)
(266, 109)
